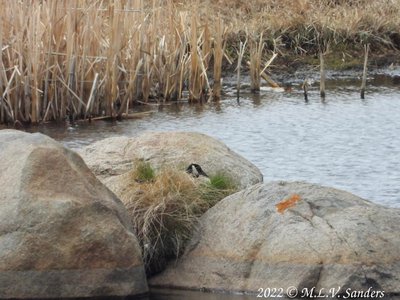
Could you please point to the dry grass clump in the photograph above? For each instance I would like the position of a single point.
(165, 207)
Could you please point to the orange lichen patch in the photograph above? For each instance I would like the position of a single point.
(287, 203)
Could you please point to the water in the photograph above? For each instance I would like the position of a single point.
(191, 295)
(163, 294)
(343, 142)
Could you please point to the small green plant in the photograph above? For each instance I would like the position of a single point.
(144, 172)
(219, 186)
(221, 181)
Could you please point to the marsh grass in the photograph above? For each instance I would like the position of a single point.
(301, 24)
(84, 58)
(80, 59)
(165, 210)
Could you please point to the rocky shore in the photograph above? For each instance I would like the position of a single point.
(64, 232)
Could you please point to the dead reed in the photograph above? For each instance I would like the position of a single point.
(240, 53)
(364, 76)
(79, 59)
(83, 58)
(219, 46)
(256, 51)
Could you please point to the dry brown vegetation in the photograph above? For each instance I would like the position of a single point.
(300, 25)
(83, 58)
(165, 206)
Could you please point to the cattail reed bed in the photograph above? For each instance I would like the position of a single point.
(81, 59)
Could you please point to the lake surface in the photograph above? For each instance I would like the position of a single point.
(342, 141)
(164, 294)
(156, 294)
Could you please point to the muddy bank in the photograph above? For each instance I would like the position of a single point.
(289, 69)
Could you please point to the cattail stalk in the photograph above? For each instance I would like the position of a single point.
(364, 76)
(323, 75)
(242, 48)
(218, 55)
(256, 49)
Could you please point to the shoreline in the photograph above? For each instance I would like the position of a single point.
(288, 71)
(101, 59)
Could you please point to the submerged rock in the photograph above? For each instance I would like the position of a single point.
(116, 156)
(321, 237)
(62, 232)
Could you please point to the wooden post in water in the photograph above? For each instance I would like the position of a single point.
(305, 89)
(256, 50)
(242, 48)
(322, 70)
(364, 76)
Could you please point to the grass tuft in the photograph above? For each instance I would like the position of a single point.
(221, 181)
(144, 172)
(165, 210)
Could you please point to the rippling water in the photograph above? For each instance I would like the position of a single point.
(344, 142)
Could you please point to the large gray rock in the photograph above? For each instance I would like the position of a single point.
(327, 239)
(62, 232)
(116, 156)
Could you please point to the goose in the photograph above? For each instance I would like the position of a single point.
(196, 170)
